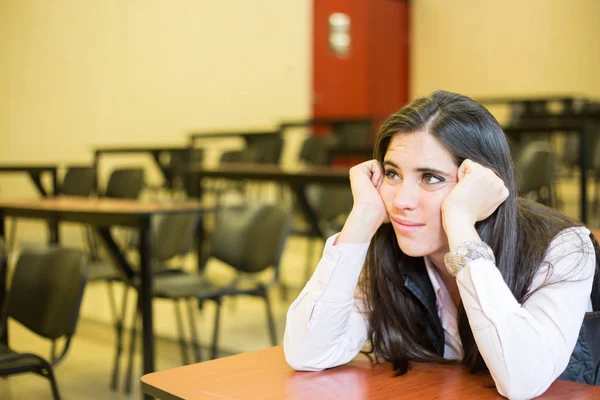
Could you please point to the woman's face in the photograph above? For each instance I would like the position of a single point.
(418, 175)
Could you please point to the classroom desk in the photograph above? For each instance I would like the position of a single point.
(331, 122)
(296, 178)
(248, 136)
(103, 214)
(35, 172)
(264, 374)
(184, 153)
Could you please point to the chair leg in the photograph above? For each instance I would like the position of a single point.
(12, 237)
(132, 346)
(118, 324)
(270, 321)
(215, 339)
(182, 344)
(193, 332)
(48, 373)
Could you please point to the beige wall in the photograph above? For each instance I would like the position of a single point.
(76, 74)
(510, 47)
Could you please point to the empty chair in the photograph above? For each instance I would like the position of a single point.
(250, 239)
(354, 133)
(79, 181)
(45, 296)
(330, 203)
(536, 166)
(261, 148)
(172, 235)
(125, 183)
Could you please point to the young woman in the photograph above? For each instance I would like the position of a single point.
(454, 266)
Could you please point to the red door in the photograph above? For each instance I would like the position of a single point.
(369, 77)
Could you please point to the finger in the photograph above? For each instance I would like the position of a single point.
(377, 175)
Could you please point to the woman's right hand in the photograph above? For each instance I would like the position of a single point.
(368, 211)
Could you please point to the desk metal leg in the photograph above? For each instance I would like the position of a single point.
(300, 191)
(145, 289)
(3, 283)
(145, 250)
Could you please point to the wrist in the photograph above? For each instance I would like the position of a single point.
(361, 225)
(459, 228)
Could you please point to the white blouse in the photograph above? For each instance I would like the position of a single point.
(525, 346)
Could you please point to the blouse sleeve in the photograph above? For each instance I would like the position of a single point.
(527, 346)
(326, 325)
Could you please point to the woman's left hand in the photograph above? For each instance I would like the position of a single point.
(475, 197)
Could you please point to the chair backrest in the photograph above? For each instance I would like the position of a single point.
(250, 237)
(46, 290)
(125, 183)
(354, 134)
(329, 202)
(79, 181)
(315, 149)
(265, 148)
(536, 166)
(173, 234)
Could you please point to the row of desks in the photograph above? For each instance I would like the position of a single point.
(105, 213)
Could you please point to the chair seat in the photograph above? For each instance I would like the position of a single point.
(12, 362)
(193, 285)
(103, 271)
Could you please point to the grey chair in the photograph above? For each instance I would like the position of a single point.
(330, 203)
(123, 183)
(172, 236)
(248, 238)
(537, 170)
(45, 296)
(79, 181)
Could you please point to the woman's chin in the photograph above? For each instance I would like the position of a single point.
(410, 247)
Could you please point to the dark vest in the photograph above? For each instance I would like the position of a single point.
(584, 365)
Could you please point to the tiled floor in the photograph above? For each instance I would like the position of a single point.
(85, 372)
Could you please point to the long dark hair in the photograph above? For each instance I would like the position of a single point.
(519, 231)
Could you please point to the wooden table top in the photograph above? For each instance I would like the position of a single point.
(98, 205)
(265, 374)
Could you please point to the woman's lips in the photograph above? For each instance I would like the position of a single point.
(405, 226)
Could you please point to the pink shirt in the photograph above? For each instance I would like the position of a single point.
(447, 311)
(525, 346)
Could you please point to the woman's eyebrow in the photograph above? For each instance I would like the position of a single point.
(420, 169)
(433, 170)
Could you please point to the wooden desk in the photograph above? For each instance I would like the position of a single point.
(183, 153)
(264, 374)
(35, 172)
(102, 214)
(296, 178)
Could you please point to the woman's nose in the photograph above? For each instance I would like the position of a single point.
(406, 196)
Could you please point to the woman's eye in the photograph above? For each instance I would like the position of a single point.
(431, 179)
(391, 174)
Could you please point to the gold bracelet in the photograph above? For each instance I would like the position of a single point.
(464, 253)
